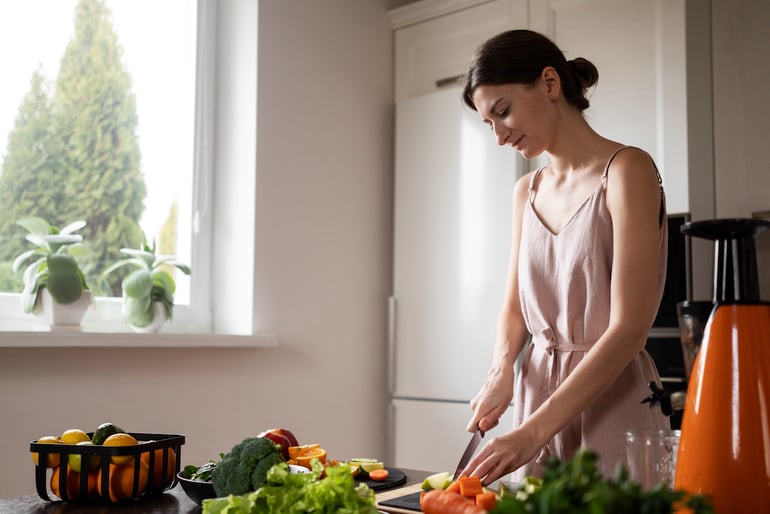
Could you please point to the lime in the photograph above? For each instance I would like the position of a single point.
(104, 431)
(370, 466)
(437, 481)
(75, 459)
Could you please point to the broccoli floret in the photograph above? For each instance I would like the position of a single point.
(244, 468)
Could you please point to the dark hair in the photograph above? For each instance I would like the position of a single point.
(519, 57)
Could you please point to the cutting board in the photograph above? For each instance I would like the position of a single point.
(404, 500)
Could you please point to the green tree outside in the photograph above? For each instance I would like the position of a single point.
(76, 155)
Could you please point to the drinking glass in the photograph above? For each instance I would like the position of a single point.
(651, 456)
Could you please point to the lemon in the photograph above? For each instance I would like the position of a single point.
(75, 459)
(74, 436)
(53, 458)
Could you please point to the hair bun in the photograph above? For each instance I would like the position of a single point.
(584, 71)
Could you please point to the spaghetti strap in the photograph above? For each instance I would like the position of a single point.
(616, 152)
(662, 214)
(532, 180)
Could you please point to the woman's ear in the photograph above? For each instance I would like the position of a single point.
(552, 82)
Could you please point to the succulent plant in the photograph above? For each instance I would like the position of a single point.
(54, 266)
(147, 284)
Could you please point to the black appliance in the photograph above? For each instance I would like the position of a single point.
(664, 342)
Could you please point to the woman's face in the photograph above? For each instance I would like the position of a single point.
(520, 115)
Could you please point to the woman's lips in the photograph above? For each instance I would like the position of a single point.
(515, 144)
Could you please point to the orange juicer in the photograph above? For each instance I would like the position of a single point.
(724, 451)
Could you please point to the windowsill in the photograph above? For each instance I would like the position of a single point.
(81, 339)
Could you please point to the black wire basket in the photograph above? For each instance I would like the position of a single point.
(108, 474)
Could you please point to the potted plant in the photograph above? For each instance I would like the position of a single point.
(55, 288)
(148, 291)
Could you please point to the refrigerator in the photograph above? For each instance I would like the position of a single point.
(452, 232)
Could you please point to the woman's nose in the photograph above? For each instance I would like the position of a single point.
(500, 133)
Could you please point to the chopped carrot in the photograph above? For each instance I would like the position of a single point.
(422, 497)
(454, 487)
(470, 486)
(379, 475)
(443, 502)
(486, 501)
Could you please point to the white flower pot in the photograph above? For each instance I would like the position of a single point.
(57, 315)
(157, 322)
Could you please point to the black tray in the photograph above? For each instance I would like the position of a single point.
(395, 478)
(149, 443)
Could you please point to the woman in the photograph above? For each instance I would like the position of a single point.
(587, 267)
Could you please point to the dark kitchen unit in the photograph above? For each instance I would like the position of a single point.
(663, 343)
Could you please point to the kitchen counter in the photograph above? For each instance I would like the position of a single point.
(174, 501)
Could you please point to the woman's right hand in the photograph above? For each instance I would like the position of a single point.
(492, 400)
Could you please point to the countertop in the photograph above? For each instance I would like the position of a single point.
(174, 501)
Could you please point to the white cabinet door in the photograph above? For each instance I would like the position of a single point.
(453, 194)
(440, 48)
(432, 436)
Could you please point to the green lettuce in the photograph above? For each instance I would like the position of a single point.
(299, 493)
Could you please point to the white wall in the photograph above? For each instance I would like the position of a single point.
(323, 234)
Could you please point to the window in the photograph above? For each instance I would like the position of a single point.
(194, 88)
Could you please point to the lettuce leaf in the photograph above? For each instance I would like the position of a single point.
(292, 493)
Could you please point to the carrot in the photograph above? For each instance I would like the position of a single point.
(379, 475)
(486, 501)
(470, 486)
(443, 502)
(454, 487)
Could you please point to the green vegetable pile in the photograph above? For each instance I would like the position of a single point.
(300, 493)
(244, 468)
(578, 487)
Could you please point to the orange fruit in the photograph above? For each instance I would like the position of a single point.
(304, 458)
(73, 483)
(53, 458)
(295, 451)
(121, 483)
(157, 482)
(121, 439)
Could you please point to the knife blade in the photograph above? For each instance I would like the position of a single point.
(468, 453)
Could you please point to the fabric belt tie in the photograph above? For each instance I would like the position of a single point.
(548, 343)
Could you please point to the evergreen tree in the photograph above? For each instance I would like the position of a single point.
(96, 121)
(29, 167)
(92, 171)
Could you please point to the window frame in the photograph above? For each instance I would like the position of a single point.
(221, 302)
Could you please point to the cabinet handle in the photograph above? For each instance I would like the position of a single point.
(391, 344)
(450, 81)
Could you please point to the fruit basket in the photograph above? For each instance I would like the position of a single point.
(107, 474)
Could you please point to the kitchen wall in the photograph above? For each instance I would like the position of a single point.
(323, 271)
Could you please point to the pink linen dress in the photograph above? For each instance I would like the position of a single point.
(564, 288)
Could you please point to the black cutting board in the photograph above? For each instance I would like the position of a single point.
(396, 477)
(406, 502)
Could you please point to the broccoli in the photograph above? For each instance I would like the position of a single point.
(245, 468)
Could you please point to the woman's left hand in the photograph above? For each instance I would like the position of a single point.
(502, 455)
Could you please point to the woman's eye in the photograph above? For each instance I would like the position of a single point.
(503, 113)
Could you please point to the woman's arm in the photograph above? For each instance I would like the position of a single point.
(634, 201)
(511, 334)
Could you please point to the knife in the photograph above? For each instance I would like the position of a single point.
(468, 453)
